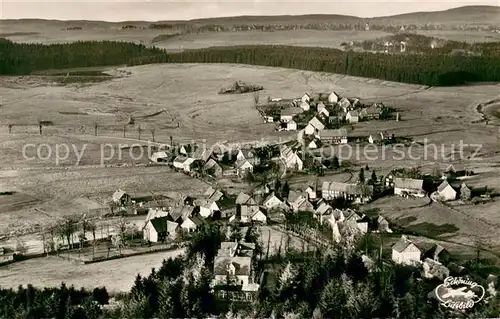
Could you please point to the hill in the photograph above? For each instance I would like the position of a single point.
(466, 15)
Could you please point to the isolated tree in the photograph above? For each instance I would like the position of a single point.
(367, 168)
(361, 175)
(66, 229)
(152, 130)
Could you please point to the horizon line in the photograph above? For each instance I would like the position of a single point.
(250, 16)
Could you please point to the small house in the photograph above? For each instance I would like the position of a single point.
(288, 113)
(314, 127)
(376, 138)
(121, 198)
(405, 252)
(179, 162)
(338, 136)
(320, 107)
(446, 192)
(302, 204)
(352, 117)
(370, 113)
(406, 187)
(291, 125)
(159, 157)
(191, 224)
(249, 155)
(438, 253)
(333, 97)
(383, 225)
(323, 209)
(243, 167)
(291, 159)
(237, 269)
(345, 104)
(311, 193)
(465, 192)
(159, 230)
(212, 168)
(272, 201)
(312, 145)
(305, 106)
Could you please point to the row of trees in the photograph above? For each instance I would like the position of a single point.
(429, 69)
(25, 58)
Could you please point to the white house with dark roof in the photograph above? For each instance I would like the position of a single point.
(191, 223)
(406, 187)
(405, 252)
(446, 192)
(243, 167)
(159, 229)
(306, 98)
(121, 198)
(245, 199)
(345, 104)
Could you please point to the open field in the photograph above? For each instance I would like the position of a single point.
(116, 275)
(61, 192)
(462, 36)
(309, 38)
(441, 222)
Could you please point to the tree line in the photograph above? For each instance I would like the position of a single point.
(425, 69)
(25, 58)
(428, 69)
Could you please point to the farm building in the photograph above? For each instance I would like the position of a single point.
(405, 252)
(121, 198)
(352, 117)
(406, 187)
(358, 193)
(338, 136)
(288, 113)
(159, 230)
(446, 192)
(159, 157)
(371, 113)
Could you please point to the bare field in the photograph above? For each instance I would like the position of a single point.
(307, 38)
(462, 36)
(434, 220)
(116, 275)
(63, 192)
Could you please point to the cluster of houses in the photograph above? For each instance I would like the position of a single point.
(329, 109)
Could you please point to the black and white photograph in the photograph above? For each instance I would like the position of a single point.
(249, 159)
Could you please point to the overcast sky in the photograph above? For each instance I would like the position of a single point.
(119, 10)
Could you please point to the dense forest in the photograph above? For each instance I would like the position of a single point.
(431, 69)
(323, 284)
(23, 59)
(428, 69)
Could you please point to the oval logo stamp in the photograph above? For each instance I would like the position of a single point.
(459, 293)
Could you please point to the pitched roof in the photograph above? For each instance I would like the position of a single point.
(293, 196)
(156, 213)
(435, 251)
(401, 245)
(160, 224)
(161, 154)
(242, 198)
(334, 133)
(353, 113)
(291, 111)
(408, 183)
(270, 196)
(442, 186)
(180, 159)
(242, 162)
(316, 123)
(323, 209)
(118, 194)
(209, 192)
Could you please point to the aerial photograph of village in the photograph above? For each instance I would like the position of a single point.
(249, 159)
